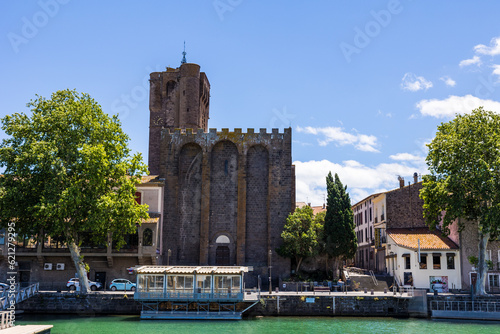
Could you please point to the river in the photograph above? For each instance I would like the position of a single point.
(275, 325)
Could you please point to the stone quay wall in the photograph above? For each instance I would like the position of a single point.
(277, 305)
(344, 305)
(74, 303)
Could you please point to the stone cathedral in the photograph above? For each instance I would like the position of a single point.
(227, 193)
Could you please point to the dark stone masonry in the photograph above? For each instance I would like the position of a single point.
(227, 193)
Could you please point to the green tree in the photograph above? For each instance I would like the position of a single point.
(464, 180)
(300, 236)
(68, 172)
(339, 235)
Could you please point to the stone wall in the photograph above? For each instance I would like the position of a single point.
(369, 306)
(313, 305)
(30, 270)
(405, 207)
(238, 185)
(72, 303)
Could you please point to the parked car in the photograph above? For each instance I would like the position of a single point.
(122, 284)
(74, 283)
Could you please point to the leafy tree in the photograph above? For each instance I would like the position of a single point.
(339, 236)
(300, 236)
(68, 172)
(464, 180)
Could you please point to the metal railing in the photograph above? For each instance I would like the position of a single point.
(374, 279)
(17, 295)
(188, 296)
(465, 306)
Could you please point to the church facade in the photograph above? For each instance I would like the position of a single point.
(227, 193)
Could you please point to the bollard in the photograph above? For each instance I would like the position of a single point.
(365, 290)
(385, 290)
(372, 292)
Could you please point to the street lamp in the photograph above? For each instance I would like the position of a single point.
(169, 252)
(270, 285)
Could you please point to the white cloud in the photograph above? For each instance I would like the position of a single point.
(413, 83)
(496, 70)
(455, 105)
(406, 157)
(361, 180)
(473, 61)
(338, 136)
(448, 81)
(380, 113)
(492, 50)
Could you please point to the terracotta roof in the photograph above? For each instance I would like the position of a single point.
(148, 178)
(429, 240)
(151, 220)
(318, 209)
(191, 270)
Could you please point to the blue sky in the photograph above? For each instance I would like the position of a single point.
(363, 84)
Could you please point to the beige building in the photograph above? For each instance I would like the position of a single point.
(48, 261)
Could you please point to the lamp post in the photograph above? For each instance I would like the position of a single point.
(169, 252)
(270, 285)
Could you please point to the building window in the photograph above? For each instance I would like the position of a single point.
(408, 278)
(498, 260)
(407, 262)
(423, 261)
(147, 237)
(138, 197)
(493, 281)
(450, 260)
(436, 261)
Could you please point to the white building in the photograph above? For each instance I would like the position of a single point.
(438, 267)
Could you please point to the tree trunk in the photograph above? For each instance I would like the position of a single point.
(326, 265)
(80, 267)
(336, 274)
(482, 268)
(299, 262)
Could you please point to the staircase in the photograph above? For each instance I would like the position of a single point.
(366, 281)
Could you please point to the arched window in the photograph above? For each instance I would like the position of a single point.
(222, 239)
(147, 237)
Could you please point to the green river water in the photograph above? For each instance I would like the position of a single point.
(288, 325)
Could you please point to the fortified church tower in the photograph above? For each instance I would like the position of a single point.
(227, 194)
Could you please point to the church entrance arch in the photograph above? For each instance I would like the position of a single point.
(222, 256)
(222, 252)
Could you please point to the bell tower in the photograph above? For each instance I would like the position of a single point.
(179, 98)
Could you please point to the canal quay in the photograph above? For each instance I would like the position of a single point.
(283, 312)
(415, 304)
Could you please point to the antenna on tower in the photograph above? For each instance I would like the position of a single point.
(183, 61)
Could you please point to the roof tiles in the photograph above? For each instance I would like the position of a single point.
(429, 240)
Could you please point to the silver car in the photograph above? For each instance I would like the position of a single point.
(74, 284)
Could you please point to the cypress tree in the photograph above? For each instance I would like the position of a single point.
(339, 236)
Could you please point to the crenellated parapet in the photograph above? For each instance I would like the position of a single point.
(243, 140)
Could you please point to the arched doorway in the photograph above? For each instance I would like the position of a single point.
(222, 252)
